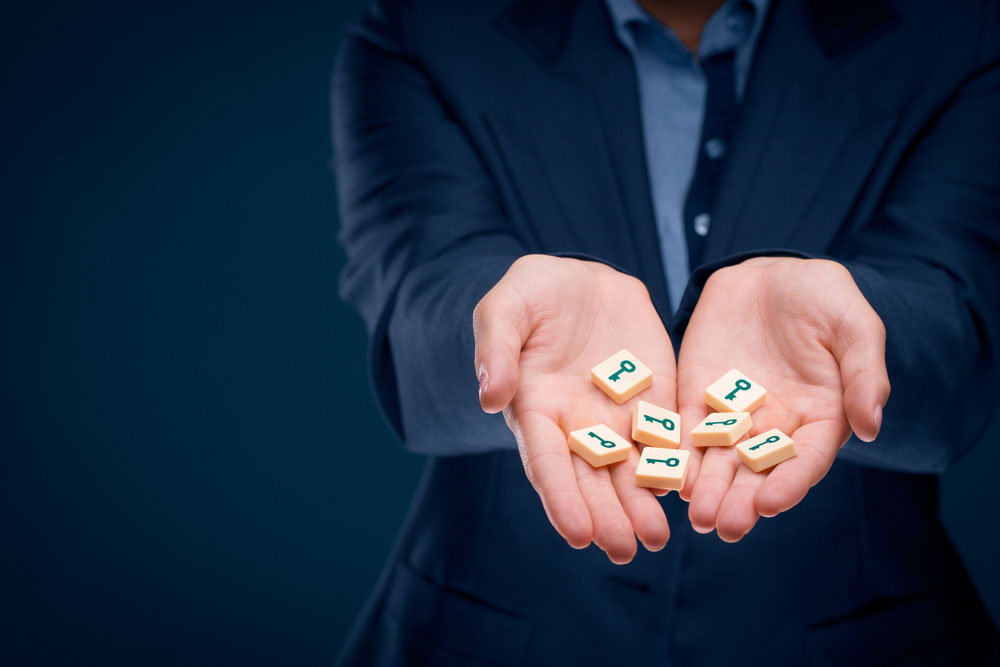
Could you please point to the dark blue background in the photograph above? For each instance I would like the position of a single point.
(193, 470)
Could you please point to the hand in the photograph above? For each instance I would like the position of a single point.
(538, 332)
(803, 330)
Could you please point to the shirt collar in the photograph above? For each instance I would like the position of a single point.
(627, 14)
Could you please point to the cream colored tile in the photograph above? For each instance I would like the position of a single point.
(662, 468)
(621, 376)
(721, 429)
(766, 450)
(735, 392)
(599, 445)
(656, 426)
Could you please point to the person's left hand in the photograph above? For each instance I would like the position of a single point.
(803, 330)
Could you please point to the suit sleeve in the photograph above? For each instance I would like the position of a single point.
(425, 235)
(928, 262)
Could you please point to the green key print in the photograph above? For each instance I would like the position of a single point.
(666, 422)
(773, 438)
(609, 444)
(626, 367)
(671, 462)
(741, 385)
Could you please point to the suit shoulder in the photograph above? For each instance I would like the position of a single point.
(401, 23)
(991, 30)
(962, 19)
(444, 13)
(961, 31)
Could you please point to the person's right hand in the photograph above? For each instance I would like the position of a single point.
(539, 331)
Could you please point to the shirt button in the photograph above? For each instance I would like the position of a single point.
(701, 223)
(715, 148)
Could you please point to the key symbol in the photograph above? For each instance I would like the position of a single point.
(604, 443)
(666, 422)
(728, 422)
(626, 367)
(671, 462)
(773, 438)
(741, 385)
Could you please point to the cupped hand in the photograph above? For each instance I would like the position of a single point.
(803, 330)
(539, 331)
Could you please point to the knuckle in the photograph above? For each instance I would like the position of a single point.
(613, 529)
(535, 461)
(707, 479)
(594, 478)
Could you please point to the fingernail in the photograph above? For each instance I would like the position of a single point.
(877, 418)
(703, 531)
(484, 382)
(768, 516)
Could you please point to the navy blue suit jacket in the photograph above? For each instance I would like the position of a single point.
(468, 134)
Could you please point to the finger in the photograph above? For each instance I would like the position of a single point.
(734, 507)
(550, 469)
(612, 528)
(500, 325)
(816, 446)
(773, 415)
(738, 514)
(694, 468)
(859, 347)
(715, 476)
(640, 505)
(663, 393)
(693, 411)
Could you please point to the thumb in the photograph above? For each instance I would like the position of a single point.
(859, 347)
(500, 325)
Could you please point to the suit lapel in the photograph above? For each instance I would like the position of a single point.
(796, 125)
(589, 134)
(795, 128)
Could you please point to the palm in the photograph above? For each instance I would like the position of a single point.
(580, 314)
(556, 361)
(777, 331)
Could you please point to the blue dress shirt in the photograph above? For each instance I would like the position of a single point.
(672, 88)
